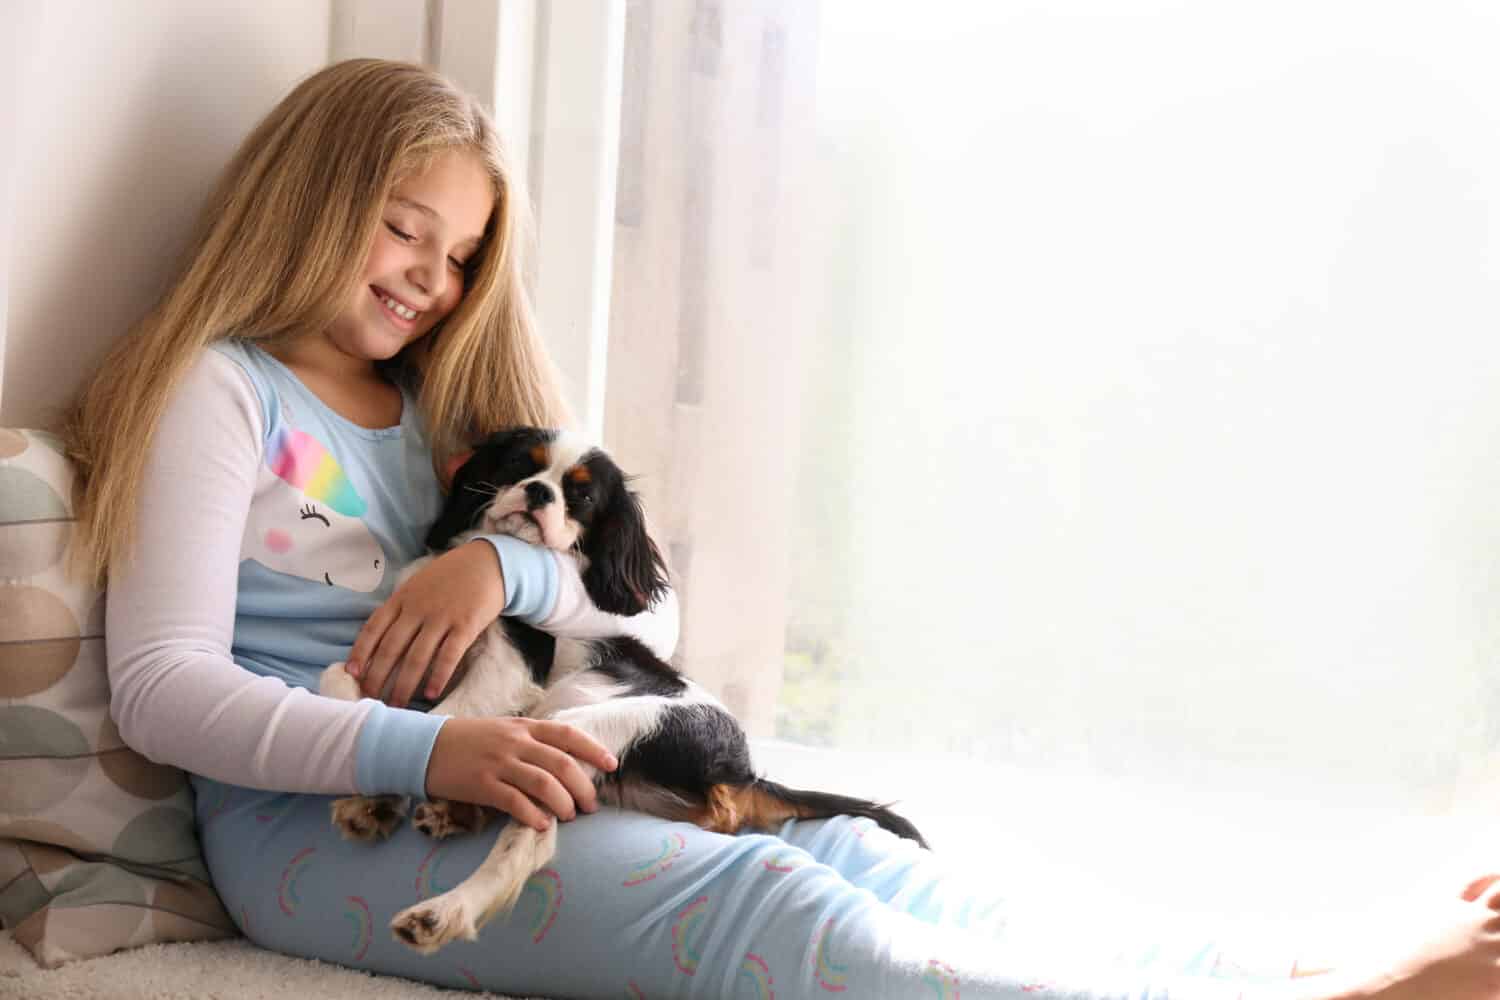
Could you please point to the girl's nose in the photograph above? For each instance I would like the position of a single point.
(431, 278)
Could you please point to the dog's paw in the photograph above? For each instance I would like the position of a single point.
(336, 682)
(359, 817)
(429, 925)
(444, 818)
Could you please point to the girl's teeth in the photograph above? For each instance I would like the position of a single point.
(398, 308)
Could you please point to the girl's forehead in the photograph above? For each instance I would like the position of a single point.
(453, 190)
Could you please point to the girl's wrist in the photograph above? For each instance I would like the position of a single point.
(529, 574)
(494, 559)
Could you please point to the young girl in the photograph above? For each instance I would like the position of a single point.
(261, 456)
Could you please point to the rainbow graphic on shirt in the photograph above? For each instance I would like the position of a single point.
(830, 975)
(357, 912)
(671, 849)
(634, 992)
(427, 873)
(469, 975)
(286, 895)
(942, 979)
(686, 930)
(301, 460)
(304, 520)
(757, 973)
(543, 892)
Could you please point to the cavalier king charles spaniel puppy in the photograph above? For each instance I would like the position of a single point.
(682, 755)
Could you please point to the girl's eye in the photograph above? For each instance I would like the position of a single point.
(405, 237)
(458, 265)
(310, 512)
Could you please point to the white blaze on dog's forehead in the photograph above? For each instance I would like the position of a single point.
(567, 451)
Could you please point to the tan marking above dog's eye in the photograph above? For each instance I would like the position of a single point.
(580, 474)
(539, 455)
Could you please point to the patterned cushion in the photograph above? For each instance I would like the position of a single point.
(97, 848)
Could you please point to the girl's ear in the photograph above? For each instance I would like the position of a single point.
(626, 573)
(461, 512)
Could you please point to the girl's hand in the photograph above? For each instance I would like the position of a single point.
(428, 624)
(528, 768)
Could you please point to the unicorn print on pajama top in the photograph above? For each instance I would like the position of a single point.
(306, 519)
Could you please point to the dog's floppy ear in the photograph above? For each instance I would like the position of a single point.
(461, 510)
(626, 573)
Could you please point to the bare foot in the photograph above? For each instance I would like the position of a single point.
(1460, 960)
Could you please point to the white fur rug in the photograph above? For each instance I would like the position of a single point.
(228, 969)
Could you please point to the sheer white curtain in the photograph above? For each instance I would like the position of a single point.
(1144, 507)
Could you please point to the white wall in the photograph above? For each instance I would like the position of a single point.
(127, 112)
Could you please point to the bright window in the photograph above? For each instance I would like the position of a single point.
(1082, 415)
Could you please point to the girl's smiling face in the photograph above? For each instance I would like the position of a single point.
(414, 274)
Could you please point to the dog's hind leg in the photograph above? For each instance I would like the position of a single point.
(493, 888)
(520, 851)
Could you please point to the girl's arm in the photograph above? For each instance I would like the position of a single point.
(573, 615)
(176, 694)
(417, 638)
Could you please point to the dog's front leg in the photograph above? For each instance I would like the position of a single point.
(494, 887)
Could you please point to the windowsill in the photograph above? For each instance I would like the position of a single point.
(1222, 862)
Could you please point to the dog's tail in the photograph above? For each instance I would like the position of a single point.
(765, 805)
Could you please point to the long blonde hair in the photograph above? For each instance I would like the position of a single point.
(278, 254)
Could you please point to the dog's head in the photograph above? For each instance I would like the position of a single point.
(557, 490)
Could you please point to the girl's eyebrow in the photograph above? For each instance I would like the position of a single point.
(429, 211)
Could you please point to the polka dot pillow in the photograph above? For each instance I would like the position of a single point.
(97, 849)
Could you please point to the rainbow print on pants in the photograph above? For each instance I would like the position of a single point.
(943, 980)
(544, 892)
(286, 894)
(757, 973)
(830, 975)
(427, 872)
(686, 931)
(357, 912)
(671, 849)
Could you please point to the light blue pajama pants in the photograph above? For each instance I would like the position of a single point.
(634, 906)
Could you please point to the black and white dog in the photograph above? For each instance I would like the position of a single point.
(682, 755)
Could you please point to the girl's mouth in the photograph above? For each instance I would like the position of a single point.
(399, 313)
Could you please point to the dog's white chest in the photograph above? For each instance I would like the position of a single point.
(497, 681)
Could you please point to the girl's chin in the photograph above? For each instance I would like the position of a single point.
(382, 345)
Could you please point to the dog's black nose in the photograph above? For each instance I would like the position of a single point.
(538, 495)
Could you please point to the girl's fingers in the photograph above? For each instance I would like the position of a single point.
(386, 655)
(455, 644)
(545, 789)
(566, 769)
(369, 637)
(1477, 888)
(575, 741)
(414, 664)
(514, 803)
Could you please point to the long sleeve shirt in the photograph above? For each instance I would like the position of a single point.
(269, 528)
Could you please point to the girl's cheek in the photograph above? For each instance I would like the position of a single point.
(278, 541)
